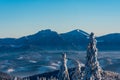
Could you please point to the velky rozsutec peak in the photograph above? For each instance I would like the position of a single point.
(78, 31)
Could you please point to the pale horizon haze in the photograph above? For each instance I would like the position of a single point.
(25, 17)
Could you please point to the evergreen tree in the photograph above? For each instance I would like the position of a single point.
(77, 74)
(63, 74)
(92, 68)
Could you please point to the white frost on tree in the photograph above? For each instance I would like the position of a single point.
(63, 74)
(92, 68)
(77, 73)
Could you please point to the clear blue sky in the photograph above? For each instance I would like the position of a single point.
(23, 17)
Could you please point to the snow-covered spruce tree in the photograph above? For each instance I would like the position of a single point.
(77, 73)
(63, 74)
(92, 68)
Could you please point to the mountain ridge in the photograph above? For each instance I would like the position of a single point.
(50, 40)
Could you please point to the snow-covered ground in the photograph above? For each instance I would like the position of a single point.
(30, 63)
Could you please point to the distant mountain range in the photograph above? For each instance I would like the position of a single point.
(51, 40)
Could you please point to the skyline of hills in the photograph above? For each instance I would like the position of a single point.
(50, 40)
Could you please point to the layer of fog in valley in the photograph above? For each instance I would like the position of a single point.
(27, 63)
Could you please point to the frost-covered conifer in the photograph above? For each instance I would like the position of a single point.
(92, 68)
(63, 74)
(77, 73)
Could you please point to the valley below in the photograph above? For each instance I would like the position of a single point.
(28, 63)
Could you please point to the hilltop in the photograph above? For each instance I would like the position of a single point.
(50, 40)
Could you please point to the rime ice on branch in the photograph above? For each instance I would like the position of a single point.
(63, 74)
(77, 73)
(92, 68)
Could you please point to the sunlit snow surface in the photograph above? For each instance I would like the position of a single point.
(29, 63)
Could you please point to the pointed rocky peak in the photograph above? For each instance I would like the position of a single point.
(78, 31)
